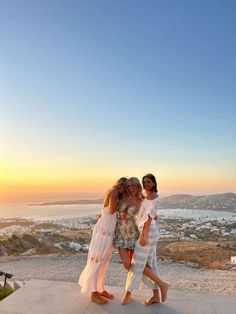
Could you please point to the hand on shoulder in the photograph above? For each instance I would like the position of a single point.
(114, 192)
(155, 195)
(152, 196)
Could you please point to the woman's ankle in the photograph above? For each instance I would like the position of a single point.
(155, 292)
(94, 293)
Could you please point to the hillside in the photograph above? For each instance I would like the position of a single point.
(224, 201)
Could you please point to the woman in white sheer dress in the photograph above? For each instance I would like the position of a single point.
(100, 249)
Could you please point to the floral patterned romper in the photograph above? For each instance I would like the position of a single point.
(126, 232)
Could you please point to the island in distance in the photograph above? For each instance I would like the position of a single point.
(223, 202)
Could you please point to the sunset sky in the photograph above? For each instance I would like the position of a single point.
(94, 90)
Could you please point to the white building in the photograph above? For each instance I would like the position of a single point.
(45, 232)
(193, 236)
(233, 260)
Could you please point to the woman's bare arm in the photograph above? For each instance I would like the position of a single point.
(145, 231)
(113, 201)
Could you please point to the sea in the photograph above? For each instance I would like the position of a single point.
(57, 212)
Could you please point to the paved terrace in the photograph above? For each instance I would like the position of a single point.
(57, 297)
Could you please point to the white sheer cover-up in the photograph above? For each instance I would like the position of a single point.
(100, 250)
(147, 209)
(144, 255)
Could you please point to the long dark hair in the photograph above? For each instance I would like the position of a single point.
(151, 177)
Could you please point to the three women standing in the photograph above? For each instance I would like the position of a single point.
(131, 221)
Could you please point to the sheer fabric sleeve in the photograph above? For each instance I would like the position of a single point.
(147, 209)
(153, 208)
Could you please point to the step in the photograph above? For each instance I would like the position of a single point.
(12, 284)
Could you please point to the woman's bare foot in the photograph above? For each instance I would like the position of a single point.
(164, 290)
(127, 298)
(154, 299)
(96, 298)
(107, 295)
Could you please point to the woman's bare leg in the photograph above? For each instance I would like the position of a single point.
(125, 257)
(148, 272)
(127, 298)
(154, 299)
(131, 253)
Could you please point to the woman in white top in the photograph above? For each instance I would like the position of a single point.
(100, 249)
(144, 260)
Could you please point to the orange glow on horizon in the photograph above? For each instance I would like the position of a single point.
(15, 181)
(96, 186)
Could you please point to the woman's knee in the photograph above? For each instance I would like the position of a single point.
(127, 264)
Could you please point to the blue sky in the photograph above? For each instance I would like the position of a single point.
(120, 88)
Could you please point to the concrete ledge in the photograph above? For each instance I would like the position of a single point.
(56, 297)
